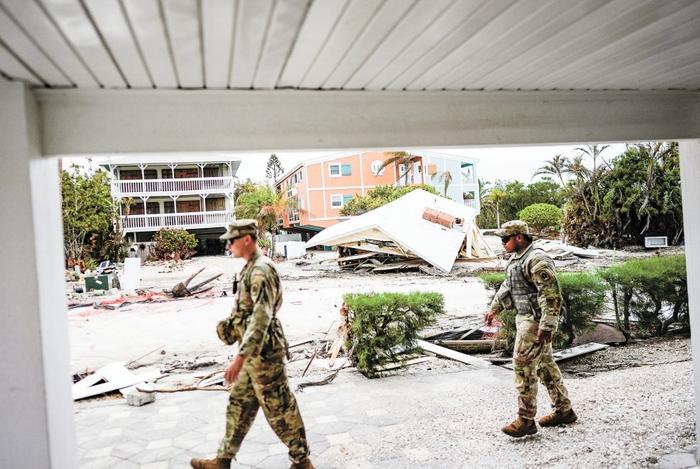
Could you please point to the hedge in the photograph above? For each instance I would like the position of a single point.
(383, 325)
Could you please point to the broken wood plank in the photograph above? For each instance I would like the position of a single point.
(472, 346)
(445, 352)
(567, 353)
(300, 343)
(403, 363)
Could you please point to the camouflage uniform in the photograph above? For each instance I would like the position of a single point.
(263, 379)
(531, 288)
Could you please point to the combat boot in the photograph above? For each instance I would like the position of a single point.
(302, 465)
(214, 463)
(520, 427)
(558, 418)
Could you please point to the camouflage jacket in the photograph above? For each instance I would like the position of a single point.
(531, 287)
(253, 321)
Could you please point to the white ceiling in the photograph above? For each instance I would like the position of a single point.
(353, 44)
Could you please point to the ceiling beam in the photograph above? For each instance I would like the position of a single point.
(116, 121)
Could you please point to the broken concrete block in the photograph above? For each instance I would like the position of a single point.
(601, 334)
(138, 398)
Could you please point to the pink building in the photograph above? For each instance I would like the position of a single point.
(324, 185)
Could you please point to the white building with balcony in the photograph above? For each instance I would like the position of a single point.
(191, 191)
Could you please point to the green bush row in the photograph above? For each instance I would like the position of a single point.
(653, 291)
(383, 325)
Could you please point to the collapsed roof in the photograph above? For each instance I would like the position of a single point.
(400, 228)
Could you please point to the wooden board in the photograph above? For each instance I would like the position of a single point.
(447, 353)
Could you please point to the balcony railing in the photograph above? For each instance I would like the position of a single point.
(176, 220)
(171, 186)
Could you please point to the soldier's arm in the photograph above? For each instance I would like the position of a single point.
(502, 300)
(263, 308)
(543, 276)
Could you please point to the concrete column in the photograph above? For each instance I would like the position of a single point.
(690, 175)
(35, 394)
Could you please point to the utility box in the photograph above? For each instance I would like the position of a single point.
(98, 282)
(656, 242)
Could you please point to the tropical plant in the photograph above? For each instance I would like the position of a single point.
(399, 158)
(633, 195)
(557, 166)
(495, 198)
(383, 325)
(89, 214)
(266, 206)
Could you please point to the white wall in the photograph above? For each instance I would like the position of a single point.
(35, 398)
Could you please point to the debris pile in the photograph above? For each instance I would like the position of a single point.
(415, 231)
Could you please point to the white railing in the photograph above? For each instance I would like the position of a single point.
(172, 186)
(176, 220)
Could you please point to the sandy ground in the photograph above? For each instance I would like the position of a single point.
(186, 328)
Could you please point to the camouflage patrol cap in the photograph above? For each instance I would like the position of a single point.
(240, 228)
(514, 227)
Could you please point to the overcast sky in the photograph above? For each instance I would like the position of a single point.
(506, 163)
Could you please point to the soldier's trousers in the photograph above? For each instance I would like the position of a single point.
(264, 384)
(531, 360)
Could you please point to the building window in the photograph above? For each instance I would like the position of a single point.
(375, 168)
(466, 172)
(339, 201)
(299, 176)
(337, 169)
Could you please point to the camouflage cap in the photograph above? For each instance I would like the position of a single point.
(514, 227)
(239, 228)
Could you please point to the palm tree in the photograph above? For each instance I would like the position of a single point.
(446, 178)
(578, 169)
(400, 158)
(266, 206)
(495, 197)
(554, 167)
(594, 152)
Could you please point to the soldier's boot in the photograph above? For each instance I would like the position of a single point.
(558, 418)
(214, 463)
(302, 465)
(520, 427)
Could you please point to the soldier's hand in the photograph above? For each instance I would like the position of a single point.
(234, 369)
(544, 337)
(489, 317)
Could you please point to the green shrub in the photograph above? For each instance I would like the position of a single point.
(654, 291)
(173, 244)
(540, 216)
(382, 325)
(583, 297)
(378, 196)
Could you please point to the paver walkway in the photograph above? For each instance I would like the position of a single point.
(428, 418)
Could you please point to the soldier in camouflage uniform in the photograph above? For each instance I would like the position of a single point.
(531, 288)
(258, 371)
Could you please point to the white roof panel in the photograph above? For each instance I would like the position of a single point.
(402, 222)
